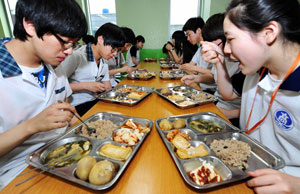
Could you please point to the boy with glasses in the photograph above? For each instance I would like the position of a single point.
(32, 82)
(86, 70)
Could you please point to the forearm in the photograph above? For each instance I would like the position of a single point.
(224, 83)
(175, 56)
(230, 114)
(207, 78)
(134, 61)
(115, 71)
(76, 87)
(14, 137)
(201, 70)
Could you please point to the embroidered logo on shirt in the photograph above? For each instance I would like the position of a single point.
(283, 120)
(60, 90)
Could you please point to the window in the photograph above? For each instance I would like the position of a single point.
(10, 6)
(181, 11)
(101, 12)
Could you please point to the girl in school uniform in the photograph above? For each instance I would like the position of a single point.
(264, 35)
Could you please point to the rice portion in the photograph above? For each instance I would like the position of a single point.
(104, 129)
(232, 152)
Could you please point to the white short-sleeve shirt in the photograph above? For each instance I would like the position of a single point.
(281, 129)
(81, 67)
(22, 98)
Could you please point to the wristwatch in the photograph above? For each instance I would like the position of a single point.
(173, 49)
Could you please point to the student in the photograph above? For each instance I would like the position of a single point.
(45, 33)
(117, 64)
(193, 29)
(133, 55)
(86, 70)
(225, 71)
(181, 50)
(264, 36)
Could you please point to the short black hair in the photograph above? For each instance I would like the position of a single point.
(63, 17)
(213, 29)
(112, 35)
(88, 39)
(140, 38)
(193, 24)
(129, 35)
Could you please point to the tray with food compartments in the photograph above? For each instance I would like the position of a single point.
(128, 95)
(175, 74)
(208, 151)
(168, 65)
(80, 155)
(141, 75)
(185, 96)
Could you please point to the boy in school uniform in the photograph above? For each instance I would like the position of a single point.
(117, 64)
(133, 55)
(193, 29)
(86, 70)
(32, 82)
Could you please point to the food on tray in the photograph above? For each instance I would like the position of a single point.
(170, 136)
(175, 97)
(182, 90)
(232, 152)
(126, 90)
(165, 125)
(104, 129)
(184, 149)
(84, 167)
(201, 97)
(166, 75)
(102, 172)
(115, 152)
(127, 100)
(135, 126)
(186, 103)
(73, 151)
(128, 136)
(115, 97)
(205, 126)
(164, 66)
(179, 123)
(137, 94)
(204, 174)
(165, 90)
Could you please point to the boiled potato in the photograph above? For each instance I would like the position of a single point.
(84, 167)
(165, 125)
(102, 172)
(179, 123)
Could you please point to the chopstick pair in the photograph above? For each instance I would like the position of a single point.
(58, 161)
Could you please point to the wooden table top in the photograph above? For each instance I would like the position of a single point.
(152, 170)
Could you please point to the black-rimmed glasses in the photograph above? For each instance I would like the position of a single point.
(115, 50)
(66, 44)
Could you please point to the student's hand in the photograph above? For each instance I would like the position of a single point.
(96, 87)
(273, 181)
(212, 53)
(188, 79)
(53, 117)
(187, 67)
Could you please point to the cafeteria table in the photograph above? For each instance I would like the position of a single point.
(152, 170)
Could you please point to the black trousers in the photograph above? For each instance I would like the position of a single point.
(83, 108)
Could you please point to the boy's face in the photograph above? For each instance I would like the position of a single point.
(53, 49)
(106, 51)
(140, 45)
(193, 37)
(126, 47)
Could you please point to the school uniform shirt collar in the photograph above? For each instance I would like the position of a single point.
(292, 81)
(8, 65)
(89, 53)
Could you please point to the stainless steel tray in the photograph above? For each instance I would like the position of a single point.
(186, 100)
(124, 98)
(260, 156)
(175, 74)
(141, 75)
(37, 158)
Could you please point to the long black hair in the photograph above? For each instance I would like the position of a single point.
(254, 15)
(63, 17)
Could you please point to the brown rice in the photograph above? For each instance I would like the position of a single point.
(232, 152)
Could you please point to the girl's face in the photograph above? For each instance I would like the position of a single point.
(250, 49)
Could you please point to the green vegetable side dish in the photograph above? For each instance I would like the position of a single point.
(205, 126)
(78, 149)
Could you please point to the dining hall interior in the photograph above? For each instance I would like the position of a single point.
(155, 120)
